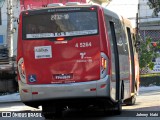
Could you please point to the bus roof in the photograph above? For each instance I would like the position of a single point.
(50, 7)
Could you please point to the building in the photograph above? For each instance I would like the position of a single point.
(149, 25)
(3, 26)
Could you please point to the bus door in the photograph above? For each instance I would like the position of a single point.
(131, 59)
(61, 45)
(115, 78)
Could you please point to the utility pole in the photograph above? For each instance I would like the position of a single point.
(137, 26)
(10, 27)
(137, 21)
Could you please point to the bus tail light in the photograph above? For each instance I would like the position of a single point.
(60, 38)
(26, 13)
(92, 8)
(104, 64)
(21, 70)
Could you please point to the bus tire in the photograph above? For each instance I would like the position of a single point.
(131, 100)
(118, 108)
(114, 109)
(58, 113)
(48, 116)
(52, 111)
(47, 112)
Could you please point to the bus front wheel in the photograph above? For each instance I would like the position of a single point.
(132, 99)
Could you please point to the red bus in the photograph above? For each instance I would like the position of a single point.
(76, 56)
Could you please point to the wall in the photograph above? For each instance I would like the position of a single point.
(149, 25)
(146, 19)
(145, 12)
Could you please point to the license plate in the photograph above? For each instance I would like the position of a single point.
(62, 76)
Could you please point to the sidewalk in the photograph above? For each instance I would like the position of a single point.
(10, 98)
(150, 88)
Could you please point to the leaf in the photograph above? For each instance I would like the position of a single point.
(147, 53)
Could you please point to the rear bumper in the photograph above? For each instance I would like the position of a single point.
(98, 88)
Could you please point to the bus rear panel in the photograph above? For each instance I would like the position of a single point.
(60, 54)
(76, 56)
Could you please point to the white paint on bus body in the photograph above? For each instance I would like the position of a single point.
(72, 33)
(43, 52)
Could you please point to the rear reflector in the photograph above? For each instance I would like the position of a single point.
(34, 93)
(25, 90)
(26, 13)
(103, 85)
(92, 8)
(93, 89)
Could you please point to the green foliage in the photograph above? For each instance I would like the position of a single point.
(150, 75)
(155, 5)
(147, 53)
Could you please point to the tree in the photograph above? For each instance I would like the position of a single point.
(148, 52)
(155, 5)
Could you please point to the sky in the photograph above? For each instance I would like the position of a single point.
(126, 8)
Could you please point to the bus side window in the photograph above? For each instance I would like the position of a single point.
(119, 37)
(126, 46)
(134, 42)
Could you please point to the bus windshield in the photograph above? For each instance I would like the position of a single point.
(58, 24)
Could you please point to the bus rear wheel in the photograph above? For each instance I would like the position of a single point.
(47, 111)
(48, 116)
(117, 108)
(50, 112)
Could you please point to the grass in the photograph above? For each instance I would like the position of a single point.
(150, 75)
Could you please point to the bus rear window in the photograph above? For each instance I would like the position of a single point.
(52, 25)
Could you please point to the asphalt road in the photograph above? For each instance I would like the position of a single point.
(147, 107)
